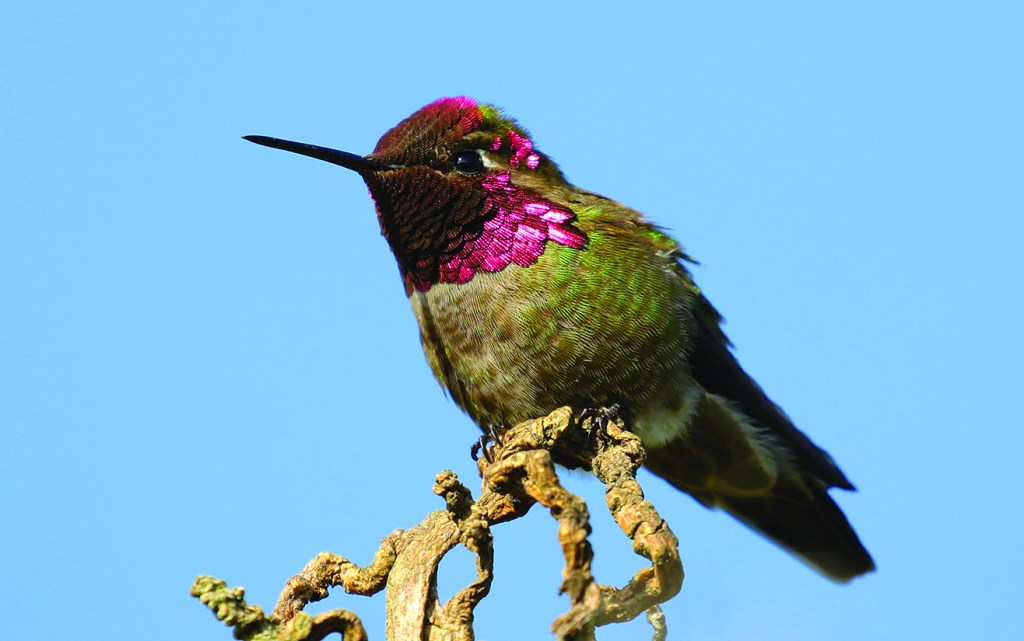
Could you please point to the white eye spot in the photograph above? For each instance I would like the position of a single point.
(489, 162)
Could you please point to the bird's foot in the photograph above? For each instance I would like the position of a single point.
(600, 417)
(483, 444)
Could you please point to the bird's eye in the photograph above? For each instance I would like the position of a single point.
(469, 162)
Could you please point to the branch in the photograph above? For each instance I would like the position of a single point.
(517, 473)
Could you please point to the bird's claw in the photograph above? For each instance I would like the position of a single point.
(600, 417)
(483, 444)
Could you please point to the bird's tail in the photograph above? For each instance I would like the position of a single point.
(815, 531)
(796, 513)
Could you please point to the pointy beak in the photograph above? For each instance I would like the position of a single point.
(358, 164)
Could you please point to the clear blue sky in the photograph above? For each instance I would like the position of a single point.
(201, 338)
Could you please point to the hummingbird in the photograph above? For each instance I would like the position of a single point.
(533, 294)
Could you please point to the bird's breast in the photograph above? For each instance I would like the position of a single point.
(519, 343)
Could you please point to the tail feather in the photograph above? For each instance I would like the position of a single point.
(803, 520)
(817, 532)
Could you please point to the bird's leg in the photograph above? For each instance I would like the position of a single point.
(600, 416)
(482, 444)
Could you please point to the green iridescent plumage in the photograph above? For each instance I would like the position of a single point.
(503, 343)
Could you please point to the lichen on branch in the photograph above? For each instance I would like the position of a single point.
(518, 472)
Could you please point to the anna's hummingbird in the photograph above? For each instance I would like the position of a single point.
(532, 294)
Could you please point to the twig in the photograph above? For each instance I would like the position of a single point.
(517, 473)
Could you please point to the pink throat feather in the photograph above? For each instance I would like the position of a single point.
(515, 234)
(519, 223)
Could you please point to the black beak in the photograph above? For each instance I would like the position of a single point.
(342, 158)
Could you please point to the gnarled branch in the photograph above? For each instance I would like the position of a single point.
(517, 473)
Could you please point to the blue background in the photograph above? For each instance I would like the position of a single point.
(208, 364)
